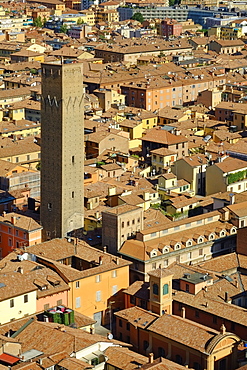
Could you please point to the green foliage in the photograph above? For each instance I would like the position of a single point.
(80, 21)
(33, 71)
(235, 177)
(64, 28)
(138, 17)
(172, 2)
(38, 166)
(98, 164)
(37, 22)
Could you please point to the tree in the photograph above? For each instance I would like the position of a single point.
(37, 22)
(80, 21)
(138, 17)
(63, 28)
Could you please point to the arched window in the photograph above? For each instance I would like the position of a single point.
(197, 366)
(145, 345)
(161, 352)
(165, 289)
(155, 289)
(233, 230)
(179, 359)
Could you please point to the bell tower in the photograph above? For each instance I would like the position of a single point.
(160, 291)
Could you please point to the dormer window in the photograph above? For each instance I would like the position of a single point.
(233, 230)
(211, 236)
(166, 249)
(222, 233)
(189, 243)
(153, 253)
(200, 240)
(177, 246)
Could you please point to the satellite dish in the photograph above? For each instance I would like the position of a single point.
(110, 336)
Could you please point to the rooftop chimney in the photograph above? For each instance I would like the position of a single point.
(226, 297)
(151, 358)
(100, 260)
(223, 329)
(13, 220)
(20, 270)
(117, 260)
(105, 248)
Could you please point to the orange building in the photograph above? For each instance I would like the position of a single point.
(96, 279)
(17, 231)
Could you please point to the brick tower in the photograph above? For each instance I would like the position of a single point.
(62, 149)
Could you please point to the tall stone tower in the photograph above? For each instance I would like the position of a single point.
(62, 149)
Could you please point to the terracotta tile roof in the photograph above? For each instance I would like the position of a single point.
(169, 176)
(20, 221)
(139, 289)
(142, 250)
(195, 160)
(124, 359)
(56, 250)
(222, 309)
(240, 209)
(160, 273)
(12, 287)
(137, 316)
(158, 135)
(125, 208)
(72, 363)
(221, 264)
(132, 199)
(231, 164)
(163, 152)
(197, 336)
(163, 364)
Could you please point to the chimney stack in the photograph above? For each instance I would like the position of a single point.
(183, 312)
(223, 329)
(100, 260)
(20, 270)
(105, 249)
(226, 297)
(151, 358)
(13, 220)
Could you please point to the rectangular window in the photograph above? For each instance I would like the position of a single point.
(10, 230)
(114, 289)
(128, 326)
(77, 284)
(98, 296)
(16, 232)
(73, 159)
(97, 278)
(78, 302)
(25, 298)
(16, 159)
(114, 274)
(59, 302)
(72, 194)
(46, 306)
(11, 303)
(10, 242)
